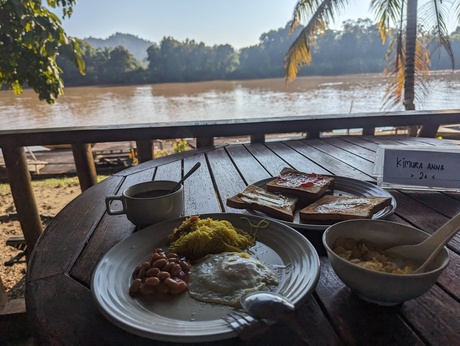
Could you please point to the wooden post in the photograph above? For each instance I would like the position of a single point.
(144, 150)
(368, 131)
(313, 134)
(23, 195)
(3, 298)
(84, 162)
(257, 138)
(428, 130)
(202, 142)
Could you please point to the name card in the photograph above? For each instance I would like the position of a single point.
(421, 167)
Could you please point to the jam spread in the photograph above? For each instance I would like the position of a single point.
(294, 180)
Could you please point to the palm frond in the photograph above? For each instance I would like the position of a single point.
(395, 70)
(320, 14)
(433, 15)
(387, 12)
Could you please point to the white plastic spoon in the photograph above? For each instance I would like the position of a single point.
(427, 250)
(272, 307)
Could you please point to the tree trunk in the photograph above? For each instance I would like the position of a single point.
(409, 71)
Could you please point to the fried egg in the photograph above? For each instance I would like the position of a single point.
(223, 278)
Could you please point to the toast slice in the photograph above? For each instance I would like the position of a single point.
(307, 186)
(257, 198)
(338, 208)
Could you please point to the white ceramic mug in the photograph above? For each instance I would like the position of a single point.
(147, 203)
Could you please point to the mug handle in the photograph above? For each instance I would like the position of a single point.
(109, 199)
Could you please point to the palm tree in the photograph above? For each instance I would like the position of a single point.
(411, 58)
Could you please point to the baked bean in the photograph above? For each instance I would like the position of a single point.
(152, 281)
(179, 287)
(135, 286)
(157, 256)
(176, 269)
(172, 255)
(171, 282)
(142, 273)
(185, 266)
(168, 267)
(136, 272)
(152, 272)
(163, 275)
(145, 265)
(160, 263)
(147, 289)
(162, 288)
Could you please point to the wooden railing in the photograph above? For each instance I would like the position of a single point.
(12, 143)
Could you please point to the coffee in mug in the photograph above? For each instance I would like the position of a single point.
(147, 203)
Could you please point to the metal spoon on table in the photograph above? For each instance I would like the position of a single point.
(188, 174)
(426, 251)
(273, 307)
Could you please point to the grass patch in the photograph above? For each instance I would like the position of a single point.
(52, 183)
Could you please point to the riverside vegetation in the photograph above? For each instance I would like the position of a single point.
(356, 48)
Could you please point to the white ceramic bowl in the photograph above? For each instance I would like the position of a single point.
(378, 287)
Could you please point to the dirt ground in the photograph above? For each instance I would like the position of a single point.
(51, 196)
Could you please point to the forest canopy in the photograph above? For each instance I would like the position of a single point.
(356, 48)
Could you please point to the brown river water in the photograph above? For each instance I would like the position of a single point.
(137, 104)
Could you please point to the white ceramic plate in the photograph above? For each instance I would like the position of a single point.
(345, 187)
(182, 318)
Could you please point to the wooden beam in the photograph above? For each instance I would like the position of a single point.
(84, 163)
(23, 195)
(206, 129)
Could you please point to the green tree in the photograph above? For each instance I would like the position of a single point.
(31, 38)
(388, 12)
(120, 64)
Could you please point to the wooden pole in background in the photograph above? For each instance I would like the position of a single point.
(23, 195)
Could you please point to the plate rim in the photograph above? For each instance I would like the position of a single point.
(310, 285)
(323, 227)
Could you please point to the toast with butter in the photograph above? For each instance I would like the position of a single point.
(338, 208)
(259, 199)
(307, 186)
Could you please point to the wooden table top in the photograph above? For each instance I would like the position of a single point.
(58, 293)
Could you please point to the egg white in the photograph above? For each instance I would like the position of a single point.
(223, 278)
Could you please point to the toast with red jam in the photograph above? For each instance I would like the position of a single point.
(307, 186)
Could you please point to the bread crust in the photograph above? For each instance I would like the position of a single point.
(338, 208)
(257, 198)
(307, 186)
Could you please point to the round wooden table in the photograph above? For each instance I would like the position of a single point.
(58, 292)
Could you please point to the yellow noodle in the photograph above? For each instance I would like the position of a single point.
(197, 237)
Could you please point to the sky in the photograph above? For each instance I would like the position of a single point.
(238, 22)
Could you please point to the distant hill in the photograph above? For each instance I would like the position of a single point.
(137, 46)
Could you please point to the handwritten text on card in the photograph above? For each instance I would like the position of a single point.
(422, 168)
